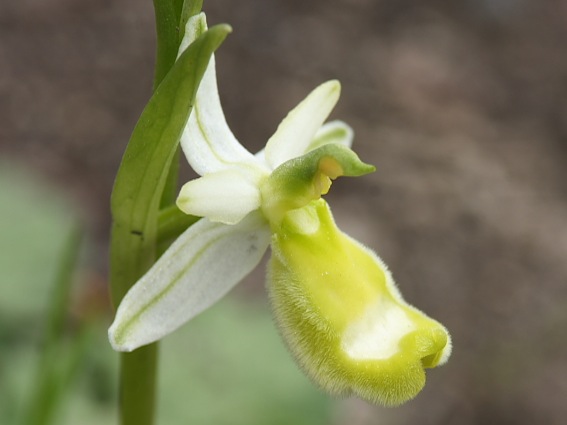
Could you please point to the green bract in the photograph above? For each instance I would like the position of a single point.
(335, 302)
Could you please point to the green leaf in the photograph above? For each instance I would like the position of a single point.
(171, 188)
(178, 7)
(143, 172)
(171, 223)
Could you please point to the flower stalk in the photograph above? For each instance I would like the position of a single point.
(144, 184)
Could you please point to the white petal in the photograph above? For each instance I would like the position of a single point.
(207, 141)
(199, 268)
(296, 131)
(332, 132)
(225, 196)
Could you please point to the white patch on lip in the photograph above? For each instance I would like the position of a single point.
(375, 336)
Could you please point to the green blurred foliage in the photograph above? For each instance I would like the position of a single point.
(34, 224)
(227, 366)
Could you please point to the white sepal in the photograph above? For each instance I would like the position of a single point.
(225, 196)
(207, 141)
(199, 268)
(298, 128)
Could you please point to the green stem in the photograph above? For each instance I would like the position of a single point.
(138, 374)
(147, 180)
(138, 370)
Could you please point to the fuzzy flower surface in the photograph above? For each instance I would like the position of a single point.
(336, 305)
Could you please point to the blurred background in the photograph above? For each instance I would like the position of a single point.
(461, 105)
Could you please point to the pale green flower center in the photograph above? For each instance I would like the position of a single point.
(297, 182)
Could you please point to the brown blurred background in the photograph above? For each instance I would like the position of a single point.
(461, 105)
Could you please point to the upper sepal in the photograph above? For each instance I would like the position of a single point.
(298, 128)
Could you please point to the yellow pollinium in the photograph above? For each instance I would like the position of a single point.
(329, 170)
(342, 316)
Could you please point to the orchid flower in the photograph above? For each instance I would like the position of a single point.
(335, 302)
